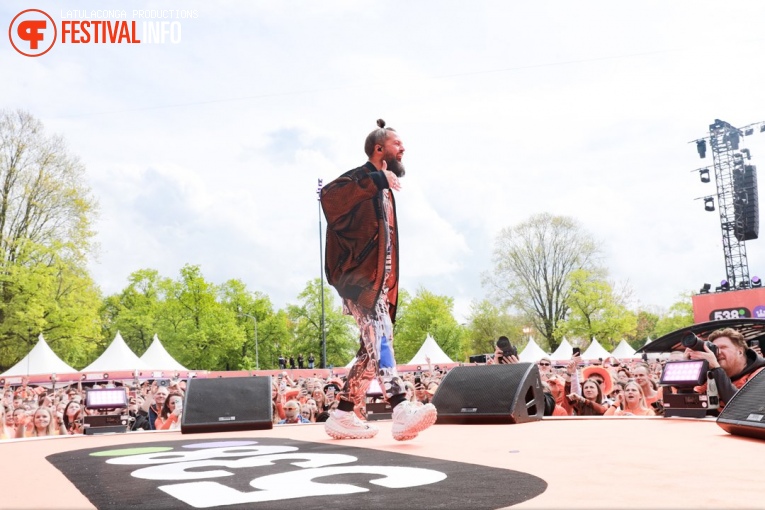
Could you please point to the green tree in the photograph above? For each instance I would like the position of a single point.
(596, 311)
(427, 313)
(134, 311)
(680, 315)
(532, 265)
(487, 322)
(341, 331)
(646, 326)
(46, 211)
(195, 327)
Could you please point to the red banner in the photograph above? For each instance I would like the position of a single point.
(733, 304)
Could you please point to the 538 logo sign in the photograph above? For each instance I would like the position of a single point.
(729, 313)
(280, 473)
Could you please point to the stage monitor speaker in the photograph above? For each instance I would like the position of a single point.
(744, 415)
(490, 394)
(227, 403)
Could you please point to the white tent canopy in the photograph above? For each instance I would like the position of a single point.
(157, 358)
(117, 357)
(563, 352)
(532, 352)
(595, 351)
(430, 349)
(40, 360)
(623, 350)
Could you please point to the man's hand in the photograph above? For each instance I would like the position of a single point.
(393, 181)
(705, 354)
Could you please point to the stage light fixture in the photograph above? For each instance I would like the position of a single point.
(709, 204)
(684, 374)
(701, 147)
(743, 284)
(704, 175)
(762, 128)
(748, 154)
(749, 132)
(705, 289)
(725, 285)
(756, 282)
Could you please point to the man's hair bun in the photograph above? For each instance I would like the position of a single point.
(381, 123)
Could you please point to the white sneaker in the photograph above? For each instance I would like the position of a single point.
(346, 425)
(410, 419)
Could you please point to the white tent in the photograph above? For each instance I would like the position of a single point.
(157, 358)
(430, 349)
(40, 360)
(563, 352)
(595, 351)
(532, 352)
(117, 357)
(623, 350)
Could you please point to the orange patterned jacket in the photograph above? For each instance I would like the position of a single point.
(356, 251)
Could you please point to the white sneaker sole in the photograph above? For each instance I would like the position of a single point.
(425, 421)
(339, 432)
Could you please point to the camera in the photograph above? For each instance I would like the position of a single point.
(508, 349)
(691, 341)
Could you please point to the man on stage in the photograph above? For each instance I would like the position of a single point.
(362, 265)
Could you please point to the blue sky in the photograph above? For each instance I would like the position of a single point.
(208, 151)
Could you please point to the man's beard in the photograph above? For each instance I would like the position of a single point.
(395, 166)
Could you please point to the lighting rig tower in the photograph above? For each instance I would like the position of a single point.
(737, 197)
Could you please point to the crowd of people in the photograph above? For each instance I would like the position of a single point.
(608, 387)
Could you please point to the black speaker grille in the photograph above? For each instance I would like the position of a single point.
(490, 393)
(746, 203)
(229, 403)
(745, 413)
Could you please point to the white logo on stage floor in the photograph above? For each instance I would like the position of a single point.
(190, 468)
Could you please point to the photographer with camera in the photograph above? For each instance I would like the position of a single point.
(731, 362)
(505, 353)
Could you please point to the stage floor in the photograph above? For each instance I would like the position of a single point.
(553, 463)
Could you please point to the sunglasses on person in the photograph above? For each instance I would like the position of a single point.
(541, 364)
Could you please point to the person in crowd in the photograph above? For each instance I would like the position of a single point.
(311, 361)
(156, 404)
(140, 417)
(545, 368)
(734, 364)
(630, 403)
(642, 375)
(551, 408)
(282, 362)
(5, 431)
(41, 423)
(9, 423)
(321, 400)
(616, 393)
(557, 386)
(623, 375)
(292, 362)
(292, 412)
(300, 360)
(600, 375)
(73, 418)
(589, 402)
(19, 417)
(170, 416)
(308, 412)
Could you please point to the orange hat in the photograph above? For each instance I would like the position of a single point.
(608, 382)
